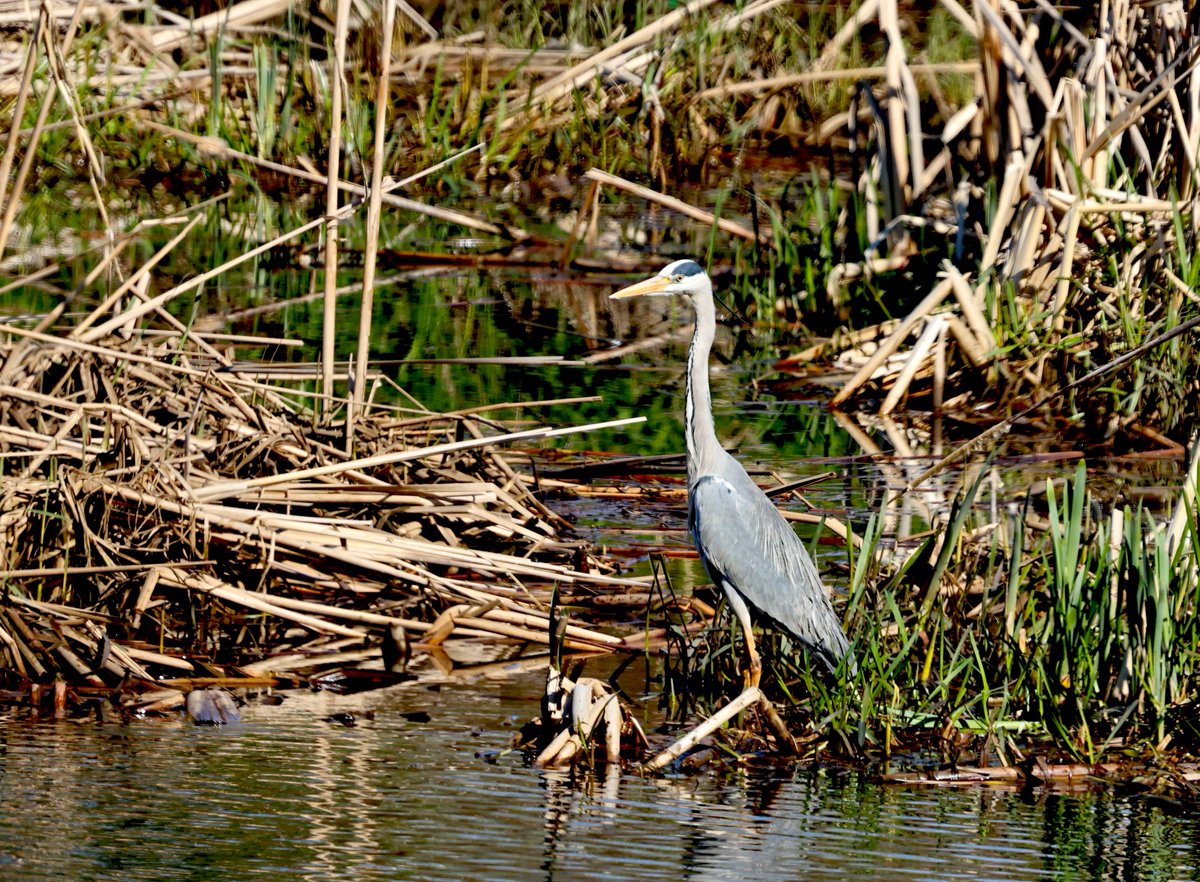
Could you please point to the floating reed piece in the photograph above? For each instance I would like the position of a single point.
(582, 717)
(162, 516)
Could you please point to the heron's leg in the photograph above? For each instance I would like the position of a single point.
(754, 674)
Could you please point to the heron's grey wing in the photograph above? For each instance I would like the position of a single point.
(745, 542)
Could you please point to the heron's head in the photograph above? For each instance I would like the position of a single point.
(680, 277)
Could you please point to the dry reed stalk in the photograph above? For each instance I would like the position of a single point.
(134, 278)
(234, 488)
(216, 337)
(235, 16)
(140, 309)
(747, 699)
(1025, 243)
(939, 372)
(824, 76)
(967, 342)
(970, 302)
(209, 585)
(329, 315)
(906, 155)
(1035, 74)
(892, 343)
(991, 434)
(1186, 505)
(581, 707)
(1063, 288)
(13, 196)
(1144, 102)
(1006, 205)
(362, 547)
(935, 326)
(866, 10)
(964, 19)
(313, 539)
(1099, 100)
(219, 149)
(96, 178)
(417, 19)
(115, 355)
(674, 204)
(374, 212)
(575, 76)
(18, 111)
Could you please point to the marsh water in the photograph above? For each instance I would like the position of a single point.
(287, 794)
(422, 785)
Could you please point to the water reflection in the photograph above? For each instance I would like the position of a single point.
(769, 825)
(288, 795)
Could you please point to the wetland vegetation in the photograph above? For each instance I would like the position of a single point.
(218, 233)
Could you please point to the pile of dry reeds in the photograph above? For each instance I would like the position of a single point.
(166, 515)
(1089, 120)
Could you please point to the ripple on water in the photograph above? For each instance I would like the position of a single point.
(285, 795)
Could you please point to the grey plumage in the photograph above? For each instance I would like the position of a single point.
(747, 546)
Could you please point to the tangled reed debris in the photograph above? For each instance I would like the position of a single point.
(164, 518)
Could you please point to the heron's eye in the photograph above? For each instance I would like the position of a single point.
(677, 279)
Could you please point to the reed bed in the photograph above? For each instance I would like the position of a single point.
(1012, 182)
(165, 517)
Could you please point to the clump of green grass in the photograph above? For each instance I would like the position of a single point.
(1080, 635)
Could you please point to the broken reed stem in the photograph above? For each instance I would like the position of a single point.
(933, 329)
(329, 317)
(146, 306)
(848, 31)
(750, 696)
(219, 149)
(893, 341)
(565, 82)
(358, 379)
(215, 492)
(13, 198)
(134, 279)
(138, 310)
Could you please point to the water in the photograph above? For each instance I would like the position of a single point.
(286, 795)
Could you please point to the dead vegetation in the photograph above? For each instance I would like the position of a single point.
(165, 516)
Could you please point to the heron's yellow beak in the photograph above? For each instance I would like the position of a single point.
(652, 285)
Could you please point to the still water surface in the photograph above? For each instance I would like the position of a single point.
(286, 794)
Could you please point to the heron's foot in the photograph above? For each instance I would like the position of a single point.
(752, 675)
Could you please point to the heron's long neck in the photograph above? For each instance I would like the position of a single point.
(702, 443)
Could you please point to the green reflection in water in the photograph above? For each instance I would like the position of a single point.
(286, 795)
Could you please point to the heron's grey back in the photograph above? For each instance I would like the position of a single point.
(744, 541)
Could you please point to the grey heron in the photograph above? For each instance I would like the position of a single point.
(747, 546)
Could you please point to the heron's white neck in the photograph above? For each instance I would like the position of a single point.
(702, 444)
